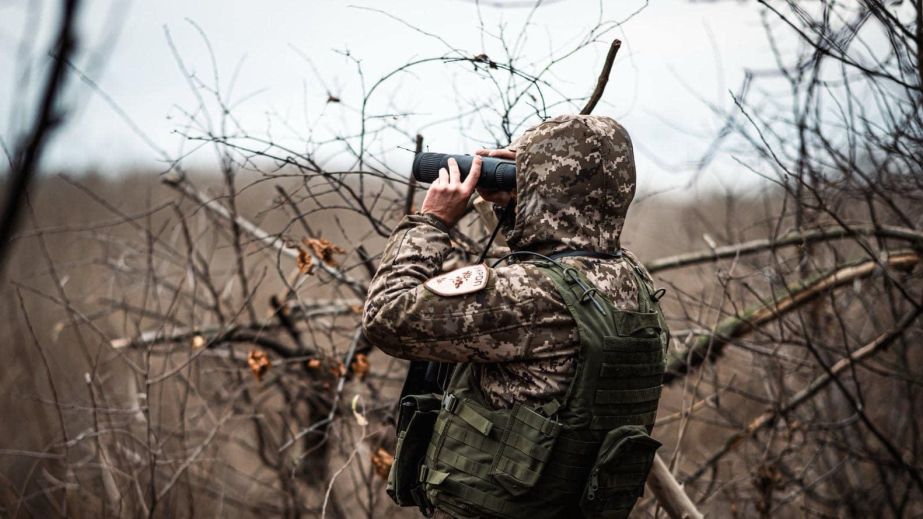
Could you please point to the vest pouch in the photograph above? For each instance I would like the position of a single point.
(619, 472)
(524, 450)
(416, 420)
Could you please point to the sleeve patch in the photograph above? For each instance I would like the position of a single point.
(465, 280)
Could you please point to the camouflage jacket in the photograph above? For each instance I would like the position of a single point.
(575, 180)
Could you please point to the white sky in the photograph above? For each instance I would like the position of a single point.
(677, 57)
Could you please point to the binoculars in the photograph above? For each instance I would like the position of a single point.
(496, 174)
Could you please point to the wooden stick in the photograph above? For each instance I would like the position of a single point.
(670, 493)
(770, 416)
(798, 238)
(210, 333)
(735, 327)
(603, 78)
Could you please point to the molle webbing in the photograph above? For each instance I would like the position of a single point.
(535, 463)
(617, 380)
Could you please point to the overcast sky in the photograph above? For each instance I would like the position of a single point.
(678, 57)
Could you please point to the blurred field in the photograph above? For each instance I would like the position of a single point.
(76, 239)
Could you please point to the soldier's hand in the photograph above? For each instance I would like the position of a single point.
(501, 198)
(502, 153)
(447, 197)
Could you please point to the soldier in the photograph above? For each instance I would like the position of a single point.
(560, 350)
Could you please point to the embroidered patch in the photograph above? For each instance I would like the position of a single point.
(460, 281)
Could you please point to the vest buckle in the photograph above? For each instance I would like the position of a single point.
(450, 403)
(424, 471)
(658, 294)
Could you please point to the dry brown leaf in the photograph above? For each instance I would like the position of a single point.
(361, 365)
(305, 262)
(382, 461)
(324, 249)
(313, 363)
(259, 363)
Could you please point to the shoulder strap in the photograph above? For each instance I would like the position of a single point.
(646, 296)
(593, 325)
(646, 299)
(649, 301)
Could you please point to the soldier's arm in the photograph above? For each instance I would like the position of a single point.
(499, 322)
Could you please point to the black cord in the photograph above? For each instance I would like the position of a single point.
(526, 253)
(569, 273)
(506, 210)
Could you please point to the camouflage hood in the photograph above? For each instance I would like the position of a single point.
(575, 180)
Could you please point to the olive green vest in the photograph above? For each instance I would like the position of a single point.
(587, 455)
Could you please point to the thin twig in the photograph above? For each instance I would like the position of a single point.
(603, 79)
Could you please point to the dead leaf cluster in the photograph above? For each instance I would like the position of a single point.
(382, 461)
(259, 363)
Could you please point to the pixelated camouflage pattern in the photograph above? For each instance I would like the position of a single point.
(575, 182)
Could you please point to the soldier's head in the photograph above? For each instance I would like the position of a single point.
(575, 178)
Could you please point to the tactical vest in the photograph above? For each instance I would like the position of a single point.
(587, 455)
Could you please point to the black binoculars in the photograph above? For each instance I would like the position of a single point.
(496, 174)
